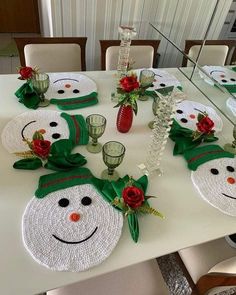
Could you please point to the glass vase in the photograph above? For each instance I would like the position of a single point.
(124, 118)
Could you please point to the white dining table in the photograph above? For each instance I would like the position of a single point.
(188, 221)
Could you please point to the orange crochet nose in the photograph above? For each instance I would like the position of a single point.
(192, 116)
(74, 217)
(231, 180)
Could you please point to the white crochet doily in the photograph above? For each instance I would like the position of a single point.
(215, 182)
(162, 79)
(70, 85)
(222, 75)
(24, 126)
(59, 243)
(187, 112)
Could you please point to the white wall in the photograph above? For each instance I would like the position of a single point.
(99, 19)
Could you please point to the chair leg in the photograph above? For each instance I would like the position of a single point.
(186, 274)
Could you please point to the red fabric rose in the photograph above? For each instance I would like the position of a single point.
(26, 73)
(41, 147)
(129, 83)
(205, 125)
(133, 196)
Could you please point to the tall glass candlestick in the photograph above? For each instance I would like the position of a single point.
(127, 33)
(165, 112)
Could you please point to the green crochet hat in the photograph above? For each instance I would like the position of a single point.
(78, 128)
(201, 155)
(57, 181)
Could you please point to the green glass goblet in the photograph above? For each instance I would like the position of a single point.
(146, 80)
(40, 83)
(113, 153)
(96, 126)
(154, 110)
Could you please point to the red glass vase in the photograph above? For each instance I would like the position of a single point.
(124, 118)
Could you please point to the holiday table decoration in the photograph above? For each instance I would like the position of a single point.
(224, 76)
(26, 93)
(165, 110)
(231, 147)
(128, 196)
(52, 124)
(128, 92)
(186, 139)
(72, 91)
(194, 123)
(67, 225)
(40, 83)
(214, 175)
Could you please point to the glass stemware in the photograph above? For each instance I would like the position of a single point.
(231, 147)
(40, 83)
(113, 153)
(96, 126)
(154, 110)
(146, 80)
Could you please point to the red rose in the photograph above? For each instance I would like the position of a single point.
(129, 83)
(26, 73)
(205, 125)
(41, 147)
(133, 196)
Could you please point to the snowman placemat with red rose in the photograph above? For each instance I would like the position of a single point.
(214, 176)
(37, 135)
(193, 124)
(75, 220)
(71, 91)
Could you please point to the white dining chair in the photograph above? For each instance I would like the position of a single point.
(141, 279)
(211, 266)
(214, 52)
(143, 54)
(53, 54)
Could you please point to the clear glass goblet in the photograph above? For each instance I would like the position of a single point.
(40, 83)
(113, 153)
(96, 126)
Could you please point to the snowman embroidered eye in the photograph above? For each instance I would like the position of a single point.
(56, 135)
(60, 91)
(76, 91)
(183, 120)
(86, 201)
(230, 168)
(214, 171)
(162, 85)
(179, 111)
(63, 202)
(224, 81)
(232, 79)
(53, 124)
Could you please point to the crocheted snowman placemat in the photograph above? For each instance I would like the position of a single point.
(214, 176)
(52, 124)
(224, 76)
(187, 112)
(231, 104)
(72, 91)
(68, 225)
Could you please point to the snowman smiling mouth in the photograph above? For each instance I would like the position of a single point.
(81, 241)
(229, 196)
(23, 129)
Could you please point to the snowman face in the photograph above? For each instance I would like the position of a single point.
(22, 127)
(70, 85)
(163, 79)
(187, 112)
(223, 76)
(216, 182)
(71, 229)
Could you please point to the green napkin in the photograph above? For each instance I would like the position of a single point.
(28, 96)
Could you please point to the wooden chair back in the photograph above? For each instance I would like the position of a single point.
(105, 44)
(22, 42)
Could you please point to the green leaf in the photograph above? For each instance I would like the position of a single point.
(133, 226)
(200, 116)
(28, 164)
(38, 135)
